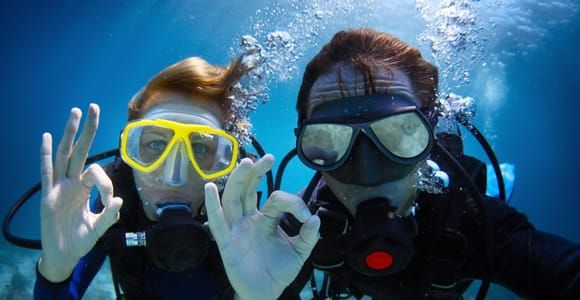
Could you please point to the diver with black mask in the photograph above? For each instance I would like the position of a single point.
(366, 124)
(177, 212)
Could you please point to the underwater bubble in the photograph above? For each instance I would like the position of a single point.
(455, 35)
(430, 179)
(318, 15)
(246, 93)
(300, 20)
(280, 34)
(280, 39)
(431, 166)
(441, 180)
(458, 108)
(248, 42)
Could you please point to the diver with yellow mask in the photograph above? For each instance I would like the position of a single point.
(177, 213)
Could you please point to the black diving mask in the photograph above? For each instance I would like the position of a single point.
(330, 140)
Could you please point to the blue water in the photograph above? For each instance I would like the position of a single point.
(57, 56)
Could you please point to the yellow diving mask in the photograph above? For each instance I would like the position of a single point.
(146, 144)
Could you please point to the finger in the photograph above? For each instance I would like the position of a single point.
(46, 172)
(215, 216)
(94, 175)
(65, 145)
(109, 215)
(250, 198)
(281, 202)
(231, 199)
(81, 148)
(308, 237)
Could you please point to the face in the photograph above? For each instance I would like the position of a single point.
(326, 93)
(175, 180)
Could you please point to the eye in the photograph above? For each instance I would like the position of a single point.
(157, 146)
(408, 128)
(199, 148)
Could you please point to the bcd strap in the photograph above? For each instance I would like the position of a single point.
(444, 246)
(128, 264)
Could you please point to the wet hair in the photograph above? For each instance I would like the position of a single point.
(192, 77)
(366, 50)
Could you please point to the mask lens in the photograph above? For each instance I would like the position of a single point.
(325, 144)
(404, 135)
(146, 144)
(212, 152)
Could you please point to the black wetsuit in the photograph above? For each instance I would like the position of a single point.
(531, 263)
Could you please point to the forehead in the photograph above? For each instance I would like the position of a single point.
(180, 108)
(345, 81)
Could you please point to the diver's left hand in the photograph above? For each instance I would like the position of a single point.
(259, 258)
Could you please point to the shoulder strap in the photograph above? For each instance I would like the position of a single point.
(441, 241)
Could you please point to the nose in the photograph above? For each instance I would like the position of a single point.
(367, 160)
(176, 166)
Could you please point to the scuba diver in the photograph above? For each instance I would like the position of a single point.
(367, 115)
(163, 240)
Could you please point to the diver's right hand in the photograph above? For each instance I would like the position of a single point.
(68, 228)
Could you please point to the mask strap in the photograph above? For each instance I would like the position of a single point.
(431, 115)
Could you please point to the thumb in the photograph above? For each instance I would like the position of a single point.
(108, 216)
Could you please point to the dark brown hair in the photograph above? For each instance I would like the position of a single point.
(192, 77)
(366, 49)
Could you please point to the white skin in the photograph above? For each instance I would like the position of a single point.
(325, 89)
(68, 228)
(259, 258)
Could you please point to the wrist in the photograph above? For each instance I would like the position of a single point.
(54, 273)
